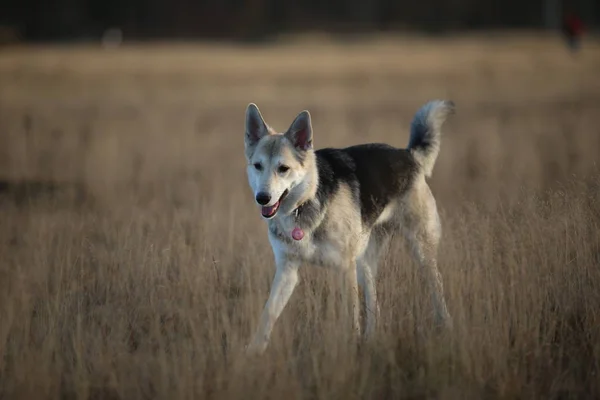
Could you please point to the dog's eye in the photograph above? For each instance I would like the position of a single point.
(258, 166)
(283, 169)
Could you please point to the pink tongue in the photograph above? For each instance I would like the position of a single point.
(297, 233)
(268, 211)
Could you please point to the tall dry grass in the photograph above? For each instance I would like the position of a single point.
(143, 272)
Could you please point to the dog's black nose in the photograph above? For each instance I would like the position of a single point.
(263, 198)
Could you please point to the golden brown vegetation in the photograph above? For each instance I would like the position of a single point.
(142, 273)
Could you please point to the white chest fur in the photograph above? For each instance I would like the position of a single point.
(323, 247)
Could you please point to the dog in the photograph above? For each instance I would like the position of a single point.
(338, 208)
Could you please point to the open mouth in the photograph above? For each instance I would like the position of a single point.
(270, 211)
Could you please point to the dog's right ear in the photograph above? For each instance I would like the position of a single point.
(256, 128)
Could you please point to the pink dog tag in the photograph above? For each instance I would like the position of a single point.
(297, 233)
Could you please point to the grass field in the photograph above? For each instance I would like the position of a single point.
(135, 264)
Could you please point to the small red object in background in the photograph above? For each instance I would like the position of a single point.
(573, 25)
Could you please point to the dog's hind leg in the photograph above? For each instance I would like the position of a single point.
(286, 279)
(367, 266)
(350, 288)
(366, 280)
(423, 231)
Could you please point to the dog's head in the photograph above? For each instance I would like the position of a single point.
(277, 162)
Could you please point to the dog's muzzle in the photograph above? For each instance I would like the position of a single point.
(270, 211)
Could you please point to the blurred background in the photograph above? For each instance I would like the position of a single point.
(135, 263)
(84, 82)
(69, 20)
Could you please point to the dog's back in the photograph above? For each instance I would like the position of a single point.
(379, 173)
(376, 173)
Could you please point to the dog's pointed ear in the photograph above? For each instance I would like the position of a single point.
(256, 128)
(300, 132)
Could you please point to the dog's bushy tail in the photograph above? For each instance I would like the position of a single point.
(426, 131)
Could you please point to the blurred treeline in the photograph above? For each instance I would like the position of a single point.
(256, 19)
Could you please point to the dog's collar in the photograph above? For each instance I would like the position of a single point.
(297, 232)
(297, 211)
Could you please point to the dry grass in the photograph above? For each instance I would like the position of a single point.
(147, 279)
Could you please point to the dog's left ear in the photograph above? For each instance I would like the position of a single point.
(300, 132)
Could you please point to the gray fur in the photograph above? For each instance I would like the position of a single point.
(426, 132)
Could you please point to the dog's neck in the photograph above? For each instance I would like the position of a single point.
(310, 194)
(304, 205)
(298, 210)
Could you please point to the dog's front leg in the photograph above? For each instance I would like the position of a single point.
(286, 278)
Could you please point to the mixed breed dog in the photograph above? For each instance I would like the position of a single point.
(338, 208)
